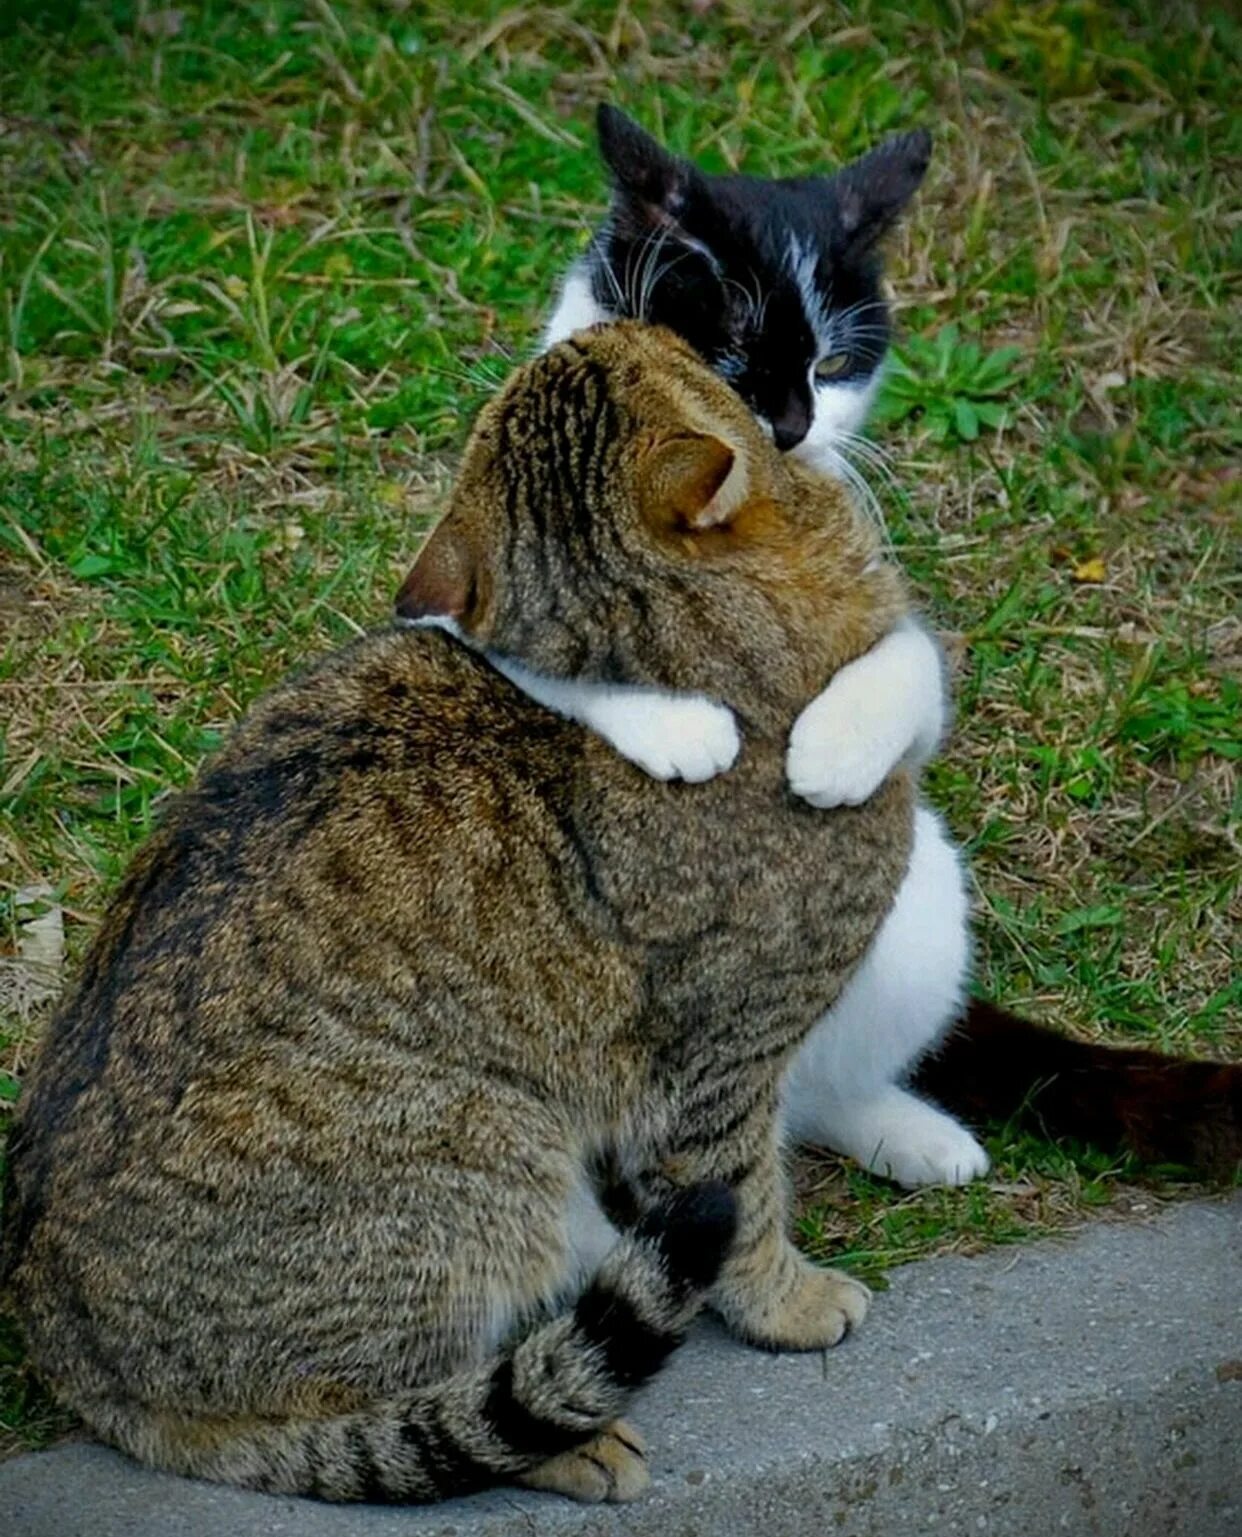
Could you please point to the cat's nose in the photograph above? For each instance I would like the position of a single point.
(791, 426)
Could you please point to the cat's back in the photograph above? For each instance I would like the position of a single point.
(320, 872)
(362, 780)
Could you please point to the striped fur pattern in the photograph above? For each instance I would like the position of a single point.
(416, 963)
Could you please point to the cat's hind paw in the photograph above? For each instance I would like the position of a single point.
(673, 737)
(897, 1136)
(935, 1154)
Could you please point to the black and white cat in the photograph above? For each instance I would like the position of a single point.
(777, 284)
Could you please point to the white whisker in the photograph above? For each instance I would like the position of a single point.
(635, 258)
(760, 306)
(605, 262)
(876, 462)
(861, 308)
(867, 447)
(882, 471)
(652, 273)
(658, 273)
(869, 503)
(748, 299)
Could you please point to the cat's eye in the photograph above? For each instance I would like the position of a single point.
(832, 366)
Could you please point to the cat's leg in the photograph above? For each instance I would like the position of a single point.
(843, 1090)
(767, 1292)
(889, 706)
(667, 735)
(612, 1467)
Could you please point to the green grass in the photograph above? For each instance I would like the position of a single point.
(260, 262)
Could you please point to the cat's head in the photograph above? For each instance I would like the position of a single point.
(620, 515)
(774, 282)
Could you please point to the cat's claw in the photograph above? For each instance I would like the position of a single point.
(686, 737)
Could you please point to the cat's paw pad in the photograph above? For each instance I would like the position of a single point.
(688, 738)
(944, 1155)
(834, 760)
(610, 1468)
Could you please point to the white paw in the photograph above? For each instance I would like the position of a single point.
(945, 1154)
(839, 757)
(673, 737)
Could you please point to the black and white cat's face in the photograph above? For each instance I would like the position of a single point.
(776, 283)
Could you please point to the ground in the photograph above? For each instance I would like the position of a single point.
(260, 260)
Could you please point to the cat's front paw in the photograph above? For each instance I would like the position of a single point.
(678, 737)
(814, 1309)
(611, 1468)
(841, 751)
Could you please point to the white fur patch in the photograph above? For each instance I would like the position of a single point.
(802, 264)
(667, 735)
(841, 411)
(903, 1138)
(842, 1090)
(887, 707)
(589, 1235)
(436, 622)
(838, 411)
(576, 307)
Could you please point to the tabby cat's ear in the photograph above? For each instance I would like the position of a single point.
(442, 583)
(872, 191)
(645, 177)
(692, 483)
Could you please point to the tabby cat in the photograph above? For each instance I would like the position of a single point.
(303, 1188)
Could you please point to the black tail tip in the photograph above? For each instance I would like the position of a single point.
(695, 1230)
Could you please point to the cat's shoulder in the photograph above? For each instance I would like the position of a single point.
(400, 699)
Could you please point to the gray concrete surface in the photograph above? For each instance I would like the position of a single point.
(1084, 1388)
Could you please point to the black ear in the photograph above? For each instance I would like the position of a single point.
(644, 174)
(871, 192)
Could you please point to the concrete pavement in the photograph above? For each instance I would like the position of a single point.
(1089, 1387)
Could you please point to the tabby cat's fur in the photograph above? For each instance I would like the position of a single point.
(299, 1186)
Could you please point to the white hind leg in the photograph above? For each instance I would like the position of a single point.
(843, 1089)
(902, 1137)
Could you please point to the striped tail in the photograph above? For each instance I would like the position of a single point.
(552, 1391)
(995, 1066)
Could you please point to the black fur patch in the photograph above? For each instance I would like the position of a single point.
(694, 1230)
(526, 1433)
(631, 1350)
